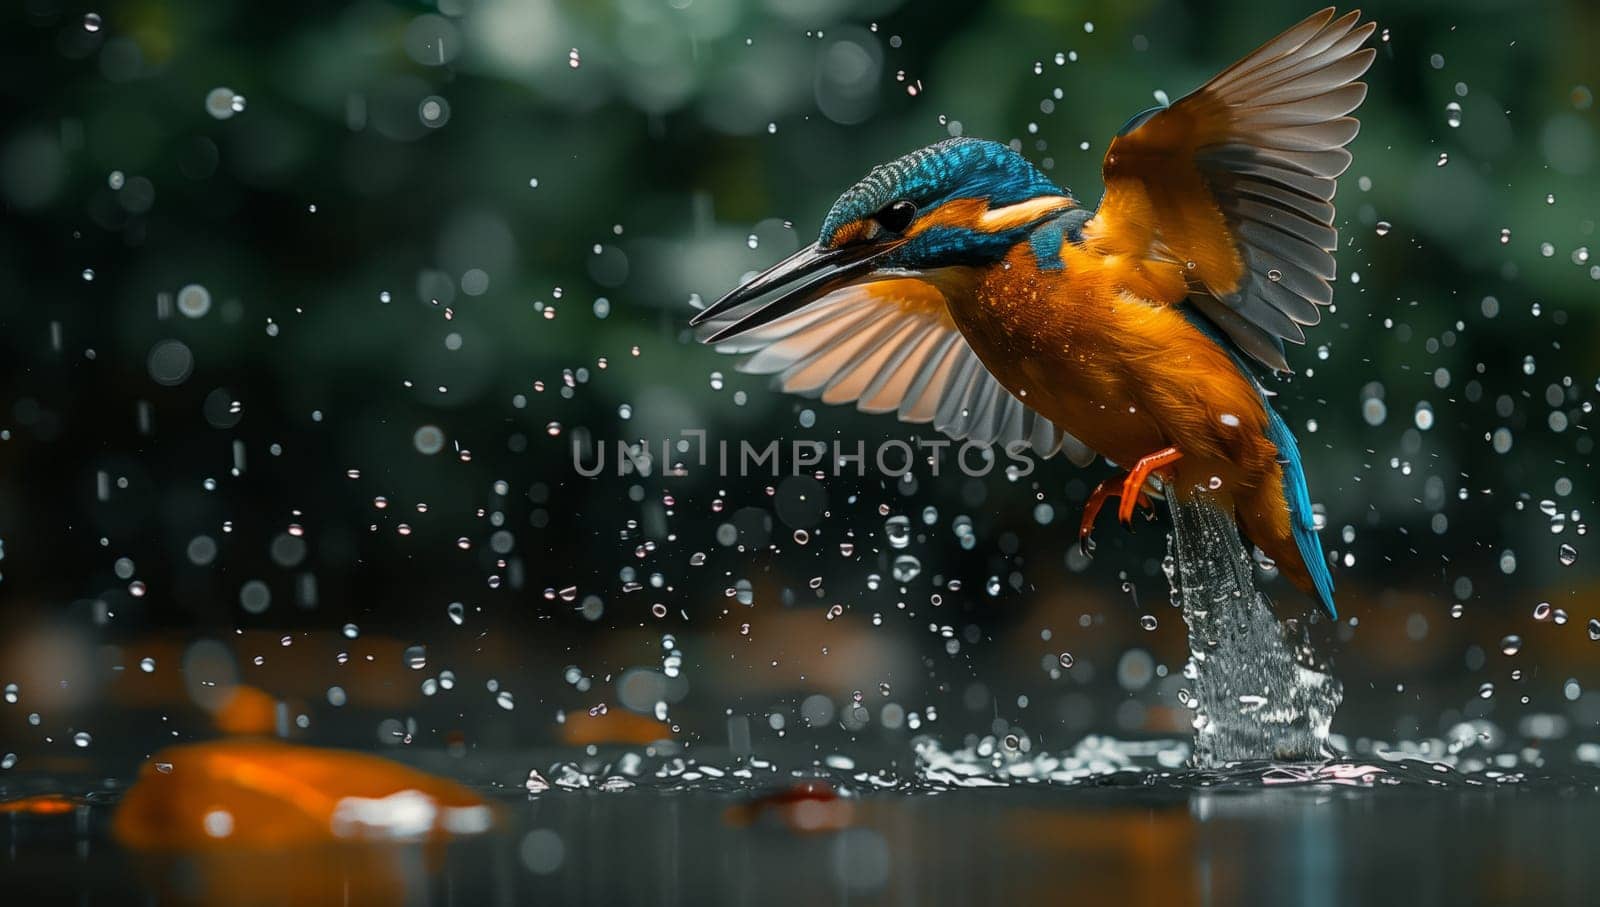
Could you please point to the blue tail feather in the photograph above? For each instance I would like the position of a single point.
(1301, 522)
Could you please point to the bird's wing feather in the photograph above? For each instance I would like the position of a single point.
(890, 346)
(1234, 183)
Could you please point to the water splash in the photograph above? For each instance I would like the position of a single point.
(1474, 755)
(1256, 692)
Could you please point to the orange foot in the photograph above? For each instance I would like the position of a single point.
(1110, 488)
(1139, 474)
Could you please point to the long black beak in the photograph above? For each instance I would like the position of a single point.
(828, 270)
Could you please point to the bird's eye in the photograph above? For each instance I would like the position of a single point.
(895, 217)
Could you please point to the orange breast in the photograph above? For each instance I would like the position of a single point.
(1126, 376)
(1130, 377)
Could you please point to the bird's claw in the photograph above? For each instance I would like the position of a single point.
(1133, 484)
(1144, 501)
(1091, 509)
(1129, 488)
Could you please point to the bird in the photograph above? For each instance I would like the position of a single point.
(959, 285)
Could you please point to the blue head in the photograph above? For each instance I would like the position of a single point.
(961, 201)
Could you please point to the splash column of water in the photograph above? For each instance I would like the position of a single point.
(1255, 693)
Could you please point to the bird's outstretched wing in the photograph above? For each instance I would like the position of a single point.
(890, 346)
(1234, 183)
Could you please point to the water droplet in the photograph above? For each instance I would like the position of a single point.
(1452, 115)
(1383, 227)
(415, 657)
(433, 111)
(1148, 621)
(1511, 645)
(223, 102)
(91, 22)
(905, 568)
(1567, 555)
(898, 530)
(194, 301)
(457, 612)
(1067, 660)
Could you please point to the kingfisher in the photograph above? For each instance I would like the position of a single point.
(960, 286)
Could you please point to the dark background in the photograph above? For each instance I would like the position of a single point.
(392, 148)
